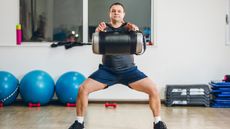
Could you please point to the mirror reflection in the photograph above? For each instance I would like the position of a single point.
(62, 20)
(136, 11)
(51, 20)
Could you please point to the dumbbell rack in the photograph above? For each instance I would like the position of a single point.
(187, 95)
(221, 94)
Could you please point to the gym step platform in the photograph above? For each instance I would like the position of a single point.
(220, 104)
(191, 102)
(206, 97)
(198, 94)
(220, 94)
(220, 84)
(187, 89)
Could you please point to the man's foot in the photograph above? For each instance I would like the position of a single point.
(77, 125)
(160, 125)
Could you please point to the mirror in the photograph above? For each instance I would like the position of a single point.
(62, 20)
(136, 11)
(51, 20)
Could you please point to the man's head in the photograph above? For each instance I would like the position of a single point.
(116, 12)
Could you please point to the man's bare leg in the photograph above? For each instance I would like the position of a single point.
(86, 88)
(146, 85)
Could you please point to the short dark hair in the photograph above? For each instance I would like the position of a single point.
(117, 3)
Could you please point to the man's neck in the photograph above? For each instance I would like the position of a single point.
(116, 24)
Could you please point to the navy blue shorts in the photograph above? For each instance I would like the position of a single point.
(110, 77)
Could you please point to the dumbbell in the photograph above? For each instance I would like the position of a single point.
(227, 78)
(34, 105)
(114, 105)
(71, 104)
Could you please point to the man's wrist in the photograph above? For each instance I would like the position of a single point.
(97, 30)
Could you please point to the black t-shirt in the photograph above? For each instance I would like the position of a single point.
(118, 62)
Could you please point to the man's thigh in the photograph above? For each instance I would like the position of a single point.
(144, 85)
(92, 85)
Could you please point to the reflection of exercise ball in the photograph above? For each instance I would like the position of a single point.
(67, 86)
(37, 87)
(8, 88)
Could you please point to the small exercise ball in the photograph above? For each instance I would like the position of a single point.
(67, 86)
(37, 87)
(8, 88)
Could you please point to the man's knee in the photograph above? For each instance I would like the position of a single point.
(83, 90)
(153, 91)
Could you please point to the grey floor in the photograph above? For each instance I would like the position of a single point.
(125, 116)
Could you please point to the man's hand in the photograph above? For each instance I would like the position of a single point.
(101, 27)
(132, 27)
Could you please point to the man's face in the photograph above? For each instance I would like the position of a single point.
(117, 13)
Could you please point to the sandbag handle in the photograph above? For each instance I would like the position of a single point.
(144, 43)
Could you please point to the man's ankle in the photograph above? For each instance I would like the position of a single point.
(80, 119)
(157, 119)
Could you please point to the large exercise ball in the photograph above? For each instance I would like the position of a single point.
(37, 87)
(8, 88)
(67, 86)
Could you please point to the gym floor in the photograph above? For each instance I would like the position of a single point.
(125, 116)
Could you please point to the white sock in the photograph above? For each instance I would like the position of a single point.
(80, 119)
(157, 119)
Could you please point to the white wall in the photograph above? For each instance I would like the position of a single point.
(190, 49)
(9, 19)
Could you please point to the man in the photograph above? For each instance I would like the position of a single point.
(117, 69)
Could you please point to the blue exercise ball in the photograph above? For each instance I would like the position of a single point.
(67, 86)
(8, 88)
(37, 87)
